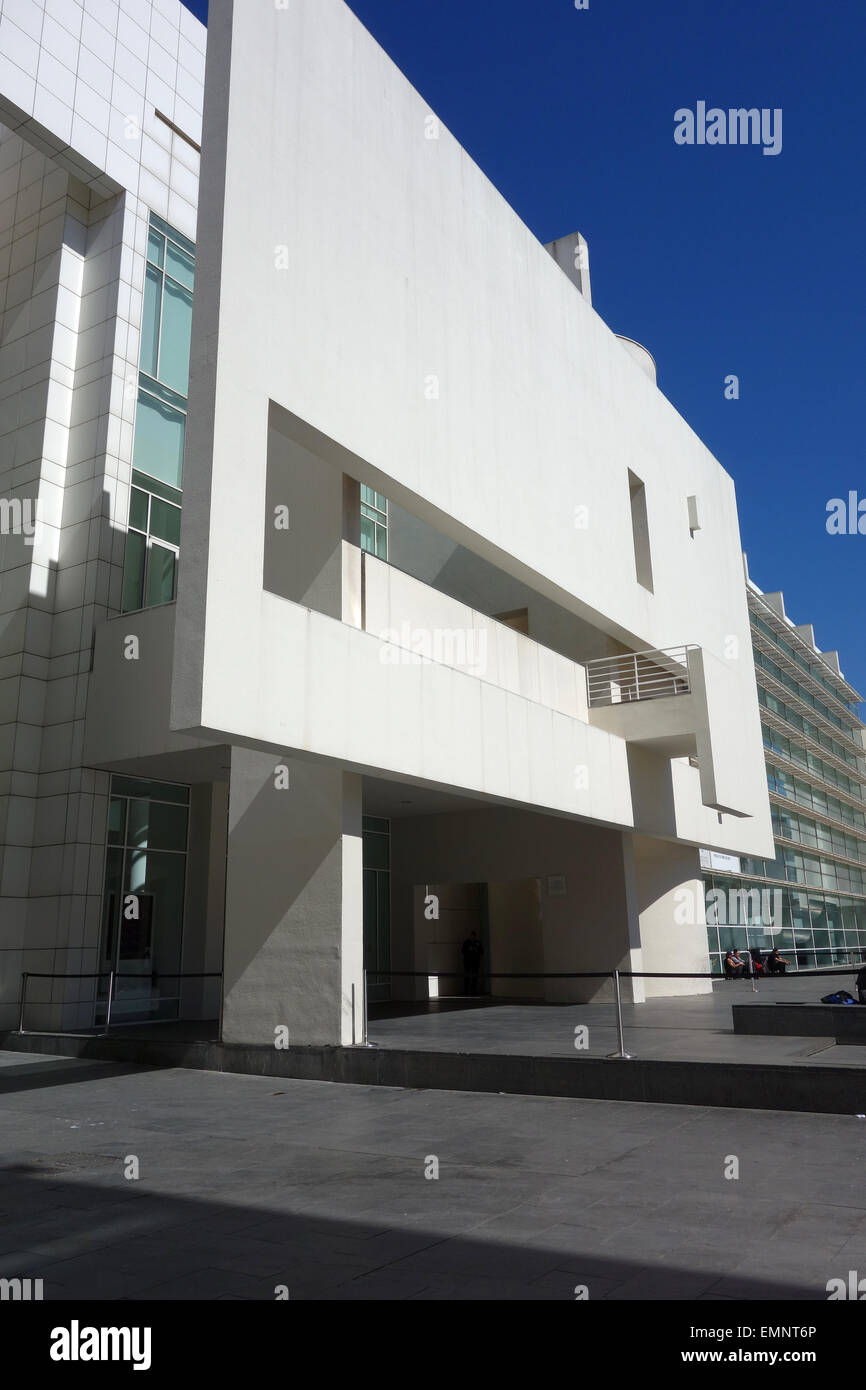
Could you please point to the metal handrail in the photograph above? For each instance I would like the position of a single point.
(617, 976)
(112, 976)
(646, 675)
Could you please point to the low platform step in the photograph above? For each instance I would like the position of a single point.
(758, 1086)
(845, 1023)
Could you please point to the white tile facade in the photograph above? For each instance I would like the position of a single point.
(83, 160)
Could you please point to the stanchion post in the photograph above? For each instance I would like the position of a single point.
(353, 1013)
(621, 1055)
(364, 1019)
(22, 1001)
(108, 1004)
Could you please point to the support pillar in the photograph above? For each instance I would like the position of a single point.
(294, 917)
(673, 932)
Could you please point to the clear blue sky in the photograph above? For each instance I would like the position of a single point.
(720, 259)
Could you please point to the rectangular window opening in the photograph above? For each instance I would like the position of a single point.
(640, 532)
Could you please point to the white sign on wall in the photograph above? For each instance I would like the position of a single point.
(722, 863)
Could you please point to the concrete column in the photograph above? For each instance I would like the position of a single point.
(204, 915)
(294, 920)
(673, 934)
(593, 925)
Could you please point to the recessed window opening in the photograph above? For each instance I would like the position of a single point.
(640, 532)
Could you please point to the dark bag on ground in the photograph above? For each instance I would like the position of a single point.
(840, 997)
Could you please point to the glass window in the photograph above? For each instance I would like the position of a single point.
(834, 914)
(150, 569)
(160, 421)
(376, 848)
(803, 939)
(155, 246)
(799, 908)
(116, 821)
(374, 522)
(133, 571)
(160, 226)
(150, 318)
(174, 339)
(161, 566)
(147, 858)
(158, 489)
(156, 791)
(159, 438)
(138, 504)
(732, 937)
(180, 265)
(813, 872)
(165, 521)
(155, 825)
(761, 937)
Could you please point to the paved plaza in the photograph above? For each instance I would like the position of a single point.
(248, 1183)
(690, 1028)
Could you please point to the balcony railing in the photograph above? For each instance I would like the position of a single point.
(650, 675)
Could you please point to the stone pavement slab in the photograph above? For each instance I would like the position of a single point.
(245, 1185)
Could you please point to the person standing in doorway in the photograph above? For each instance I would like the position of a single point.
(472, 951)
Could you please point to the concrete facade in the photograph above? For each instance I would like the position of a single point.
(539, 673)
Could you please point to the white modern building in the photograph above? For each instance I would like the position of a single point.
(376, 593)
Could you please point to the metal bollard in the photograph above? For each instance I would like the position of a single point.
(621, 1055)
(108, 1004)
(23, 1000)
(364, 1019)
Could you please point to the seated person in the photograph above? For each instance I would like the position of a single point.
(861, 985)
(757, 960)
(776, 963)
(734, 966)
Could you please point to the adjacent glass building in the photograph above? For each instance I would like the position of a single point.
(811, 899)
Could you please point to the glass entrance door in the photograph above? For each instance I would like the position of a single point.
(143, 900)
